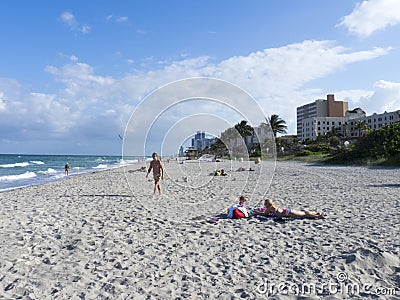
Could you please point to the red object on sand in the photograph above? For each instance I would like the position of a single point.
(238, 214)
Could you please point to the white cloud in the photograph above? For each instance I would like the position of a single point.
(273, 76)
(80, 79)
(386, 96)
(93, 106)
(69, 19)
(372, 15)
(2, 103)
(122, 19)
(117, 19)
(383, 96)
(283, 69)
(85, 29)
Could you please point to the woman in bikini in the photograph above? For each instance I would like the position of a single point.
(272, 210)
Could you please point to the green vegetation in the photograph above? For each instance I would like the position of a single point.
(373, 147)
(377, 147)
(311, 158)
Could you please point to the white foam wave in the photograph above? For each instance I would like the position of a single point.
(25, 175)
(124, 162)
(23, 164)
(49, 171)
(37, 162)
(101, 166)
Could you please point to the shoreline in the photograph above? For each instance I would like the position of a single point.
(65, 177)
(92, 236)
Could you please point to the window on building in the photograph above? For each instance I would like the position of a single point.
(333, 123)
(327, 123)
(340, 123)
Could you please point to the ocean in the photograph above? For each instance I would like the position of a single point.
(25, 170)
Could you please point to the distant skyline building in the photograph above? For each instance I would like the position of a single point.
(200, 141)
(181, 152)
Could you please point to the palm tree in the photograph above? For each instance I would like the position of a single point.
(362, 127)
(277, 124)
(244, 129)
(346, 130)
(336, 132)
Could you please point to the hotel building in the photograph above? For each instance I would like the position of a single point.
(316, 119)
(320, 108)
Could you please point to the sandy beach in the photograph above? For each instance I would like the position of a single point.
(103, 235)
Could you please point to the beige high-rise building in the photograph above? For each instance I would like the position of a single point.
(323, 116)
(336, 108)
(320, 108)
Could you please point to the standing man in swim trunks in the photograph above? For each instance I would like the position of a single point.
(158, 172)
(67, 169)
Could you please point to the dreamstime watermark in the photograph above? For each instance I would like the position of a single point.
(340, 285)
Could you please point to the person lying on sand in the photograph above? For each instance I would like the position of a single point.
(220, 173)
(142, 169)
(238, 211)
(241, 169)
(270, 209)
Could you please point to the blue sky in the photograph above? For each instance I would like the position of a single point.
(73, 72)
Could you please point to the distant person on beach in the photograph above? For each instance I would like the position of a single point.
(220, 173)
(270, 209)
(158, 172)
(142, 169)
(66, 169)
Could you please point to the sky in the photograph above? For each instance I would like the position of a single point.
(73, 73)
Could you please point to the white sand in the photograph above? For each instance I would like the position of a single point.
(95, 236)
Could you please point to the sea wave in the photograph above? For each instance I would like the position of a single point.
(101, 166)
(48, 171)
(23, 164)
(37, 162)
(25, 175)
(124, 162)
